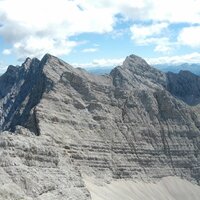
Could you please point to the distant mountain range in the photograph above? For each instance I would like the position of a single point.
(176, 68)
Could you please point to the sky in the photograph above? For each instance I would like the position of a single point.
(100, 33)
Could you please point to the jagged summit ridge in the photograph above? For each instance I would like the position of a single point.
(136, 70)
(127, 125)
(135, 61)
(19, 86)
(134, 73)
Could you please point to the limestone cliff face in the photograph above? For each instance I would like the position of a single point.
(126, 125)
(20, 90)
(185, 85)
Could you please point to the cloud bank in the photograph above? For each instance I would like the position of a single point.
(187, 58)
(34, 27)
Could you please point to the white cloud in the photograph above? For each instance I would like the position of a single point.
(141, 33)
(152, 34)
(176, 11)
(6, 52)
(163, 10)
(89, 50)
(36, 47)
(164, 45)
(187, 58)
(100, 63)
(33, 27)
(190, 36)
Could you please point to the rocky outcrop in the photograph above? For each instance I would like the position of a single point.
(184, 85)
(126, 125)
(21, 89)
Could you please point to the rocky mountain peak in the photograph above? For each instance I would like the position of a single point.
(27, 61)
(136, 70)
(29, 65)
(12, 69)
(53, 68)
(47, 57)
(135, 62)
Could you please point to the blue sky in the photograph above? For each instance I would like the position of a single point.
(100, 33)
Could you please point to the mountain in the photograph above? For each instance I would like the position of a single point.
(69, 134)
(176, 68)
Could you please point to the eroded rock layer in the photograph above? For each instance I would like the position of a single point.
(126, 125)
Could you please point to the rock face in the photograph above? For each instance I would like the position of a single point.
(68, 125)
(185, 85)
(21, 89)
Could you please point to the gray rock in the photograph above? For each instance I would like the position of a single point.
(185, 85)
(126, 125)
